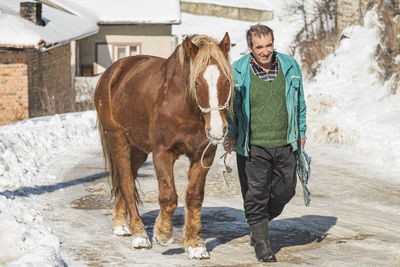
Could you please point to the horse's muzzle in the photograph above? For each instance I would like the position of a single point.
(217, 138)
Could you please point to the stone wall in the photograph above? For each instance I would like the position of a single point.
(13, 86)
(239, 13)
(349, 13)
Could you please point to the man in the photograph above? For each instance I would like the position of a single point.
(268, 125)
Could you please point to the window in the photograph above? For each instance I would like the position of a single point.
(107, 53)
(125, 50)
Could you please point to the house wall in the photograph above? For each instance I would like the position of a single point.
(13, 86)
(50, 84)
(153, 40)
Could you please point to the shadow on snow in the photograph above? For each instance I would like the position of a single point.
(42, 189)
(220, 225)
(38, 190)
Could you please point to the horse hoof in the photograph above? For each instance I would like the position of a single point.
(165, 243)
(141, 242)
(122, 231)
(198, 253)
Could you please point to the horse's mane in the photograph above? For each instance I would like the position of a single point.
(208, 48)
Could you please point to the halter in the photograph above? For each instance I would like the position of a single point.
(217, 108)
(212, 141)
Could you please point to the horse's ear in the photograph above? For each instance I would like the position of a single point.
(225, 45)
(190, 48)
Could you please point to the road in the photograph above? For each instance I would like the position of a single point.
(353, 219)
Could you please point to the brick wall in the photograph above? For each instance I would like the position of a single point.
(13, 86)
(34, 83)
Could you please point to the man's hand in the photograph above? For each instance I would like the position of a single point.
(229, 144)
(301, 142)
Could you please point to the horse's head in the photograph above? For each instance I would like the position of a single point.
(211, 82)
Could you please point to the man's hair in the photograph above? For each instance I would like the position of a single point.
(258, 30)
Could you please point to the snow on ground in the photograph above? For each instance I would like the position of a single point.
(30, 156)
(347, 107)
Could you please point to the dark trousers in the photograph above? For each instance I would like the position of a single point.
(268, 181)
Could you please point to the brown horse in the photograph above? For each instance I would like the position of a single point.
(170, 107)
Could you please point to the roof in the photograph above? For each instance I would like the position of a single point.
(61, 27)
(125, 11)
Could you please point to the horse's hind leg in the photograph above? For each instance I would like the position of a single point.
(120, 222)
(121, 155)
(167, 197)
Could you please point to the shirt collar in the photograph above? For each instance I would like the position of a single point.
(253, 61)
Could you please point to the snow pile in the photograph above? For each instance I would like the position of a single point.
(84, 88)
(29, 148)
(347, 103)
(28, 151)
(25, 239)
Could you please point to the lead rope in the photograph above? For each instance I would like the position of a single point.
(226, 169)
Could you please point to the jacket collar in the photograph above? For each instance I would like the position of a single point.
(243, 64)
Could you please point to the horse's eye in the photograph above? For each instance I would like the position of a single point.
(196, 84)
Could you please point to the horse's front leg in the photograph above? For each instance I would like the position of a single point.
(193, 241)
(167, 197)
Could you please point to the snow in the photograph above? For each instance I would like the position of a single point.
(60, 26)
(126, 11)
(348, 107)
(26, 240)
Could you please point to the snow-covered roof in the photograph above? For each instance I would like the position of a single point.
(61, 27)
(125, 11)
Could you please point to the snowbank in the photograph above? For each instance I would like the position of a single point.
(29, 148)
(28, 151)
(349, 106)
(25, 239)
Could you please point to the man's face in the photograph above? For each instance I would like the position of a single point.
(262, 49)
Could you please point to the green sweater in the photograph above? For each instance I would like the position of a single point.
(268, 112)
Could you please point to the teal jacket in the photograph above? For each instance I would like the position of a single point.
(239, 124)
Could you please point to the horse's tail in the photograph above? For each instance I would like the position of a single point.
(108, 162)
(113, 176)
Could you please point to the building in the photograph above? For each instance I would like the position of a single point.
(47, 46)
(126, 28)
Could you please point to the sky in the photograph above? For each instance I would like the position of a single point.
(348, 107)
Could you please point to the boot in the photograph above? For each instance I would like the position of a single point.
(260, 239)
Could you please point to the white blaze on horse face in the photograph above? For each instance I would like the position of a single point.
(211, 75)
